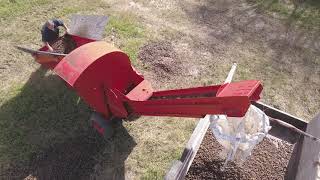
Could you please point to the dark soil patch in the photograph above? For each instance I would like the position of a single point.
(70, 160)
(266, 162)
(82, 157)
(73, 159)
(64, 45)
(161, 58)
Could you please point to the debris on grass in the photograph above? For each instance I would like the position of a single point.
(162, 59)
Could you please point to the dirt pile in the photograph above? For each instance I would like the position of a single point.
(71, 160)
(64, 45)
(161, 58)
(266, 162)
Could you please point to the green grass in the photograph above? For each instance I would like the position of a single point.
(163, 158)
(152, 174)
(39, 114)
(129, 35)
(160, 140)
(89, 6)
(68, 10)
(14, 8)
(10, 9)
(305, 14)
(27, 18)
(36, 115)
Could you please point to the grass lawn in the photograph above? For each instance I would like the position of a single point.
(304, 13)
(39, 112)
(42, 121)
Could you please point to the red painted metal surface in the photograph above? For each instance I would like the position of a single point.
(251, 89)
(51, 62)
(81, 40)
(98, 128)
(94, 69)
(103, 76)
(230, 99)
(141, 92)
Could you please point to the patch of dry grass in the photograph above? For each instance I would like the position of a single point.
(160, 140)
(127, 34)
(23, 28)
(304, 13)
(291, 81)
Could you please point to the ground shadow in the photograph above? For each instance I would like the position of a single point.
(280, 49)
(44, 132)
(86, 157)
(231, 20)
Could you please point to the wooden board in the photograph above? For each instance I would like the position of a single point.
(180, 168)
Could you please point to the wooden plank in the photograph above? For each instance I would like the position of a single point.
(180, 168)
(231, 73)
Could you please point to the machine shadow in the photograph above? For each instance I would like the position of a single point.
(45, 133)
(87, 156)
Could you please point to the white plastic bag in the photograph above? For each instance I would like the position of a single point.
(240, 135)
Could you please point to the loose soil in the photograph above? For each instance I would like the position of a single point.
(64, 45)
(269, 160)
(73, 159)
(88, 156)
(161, 58)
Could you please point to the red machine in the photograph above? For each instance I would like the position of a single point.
(102, 75)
